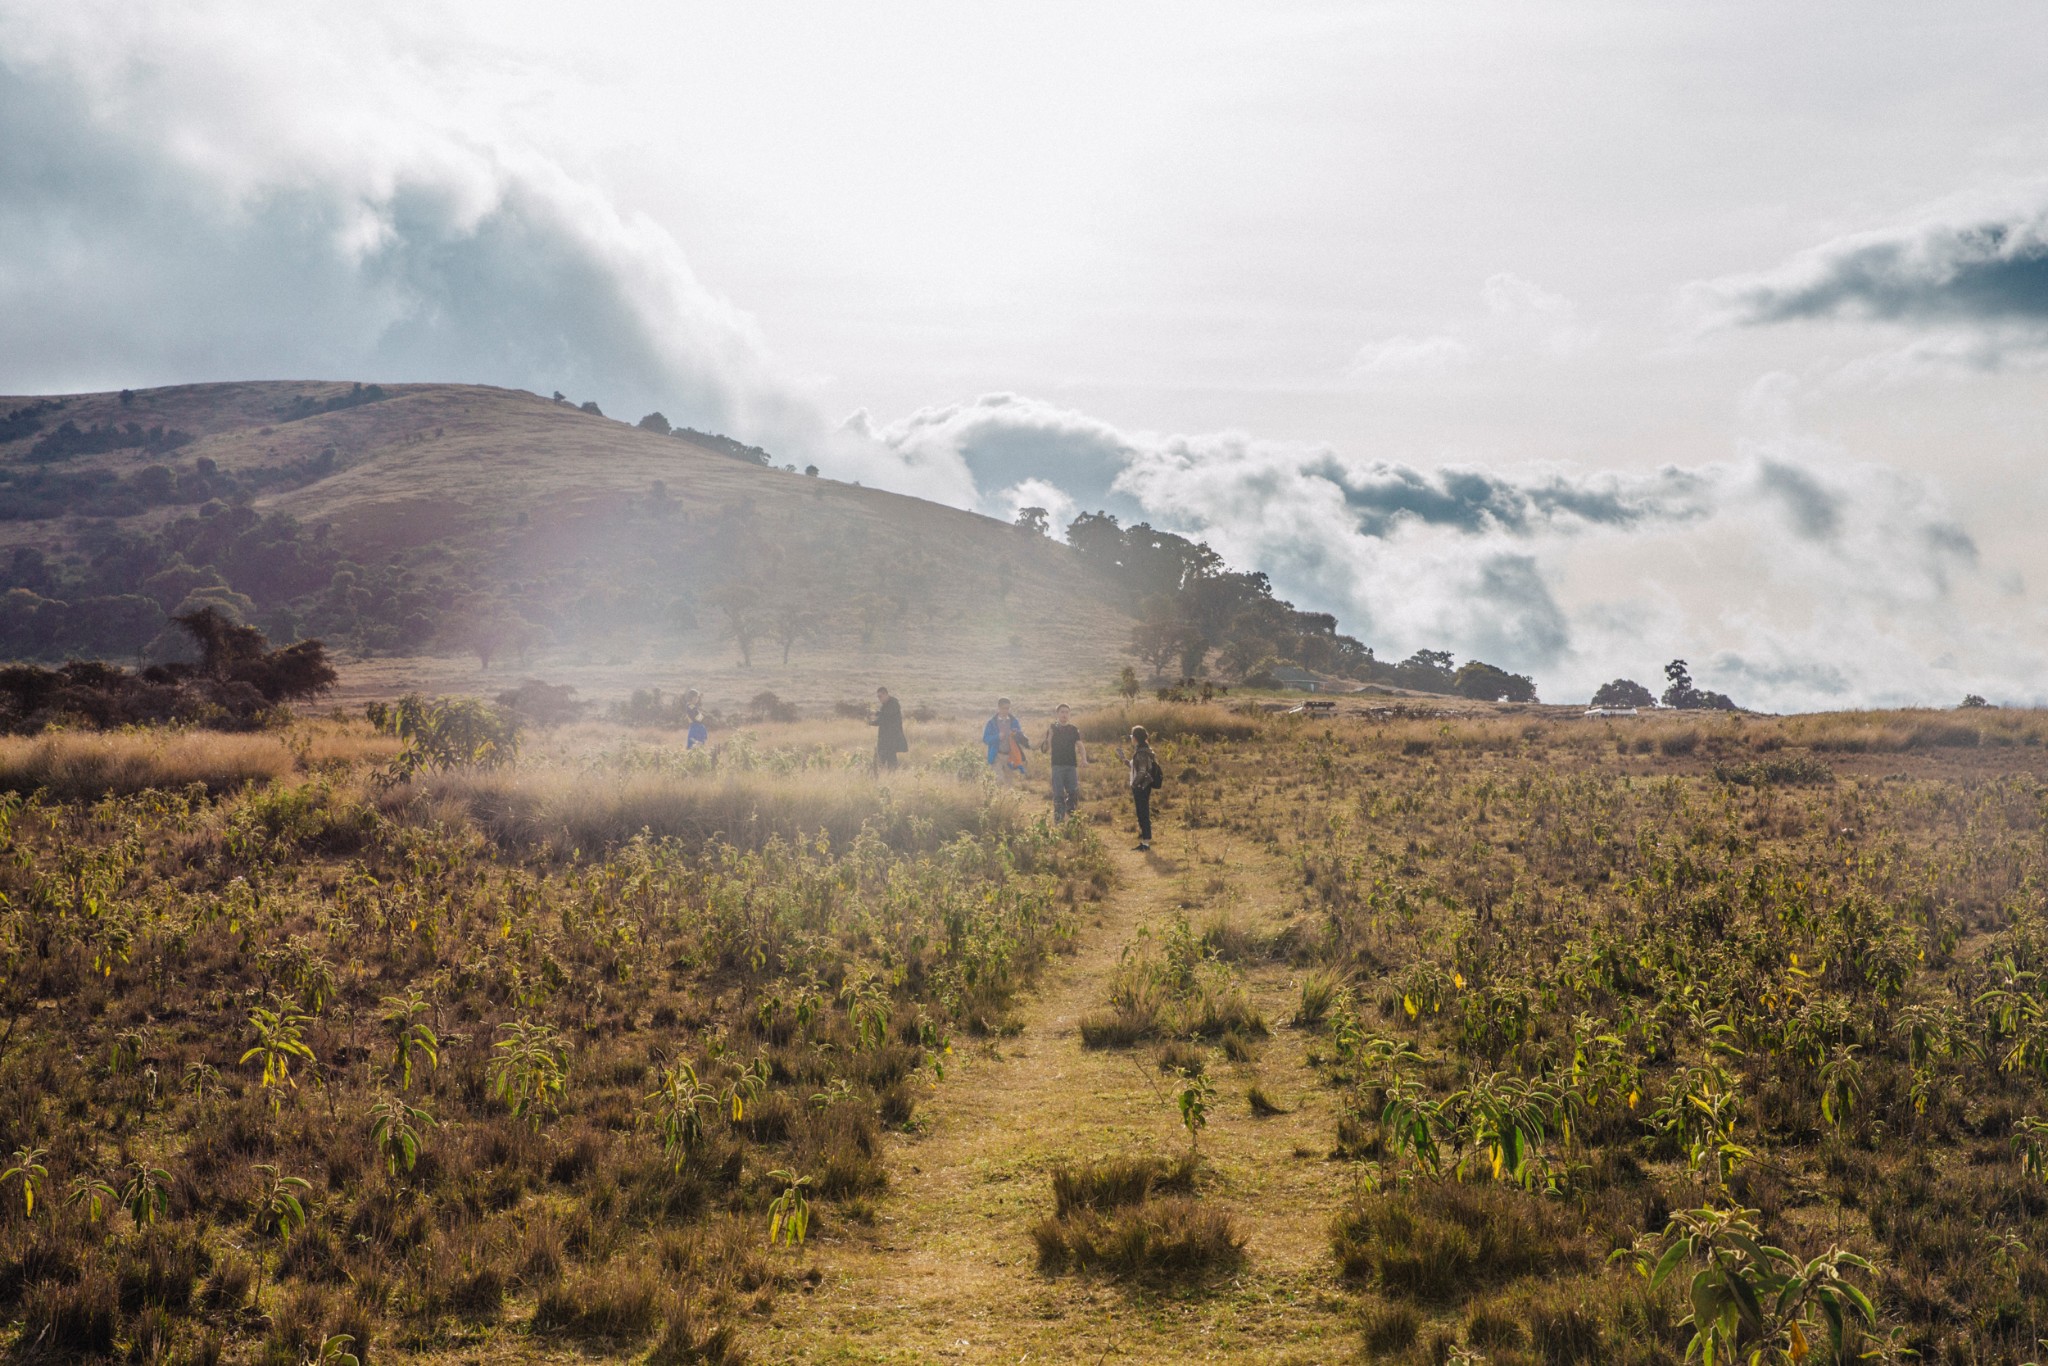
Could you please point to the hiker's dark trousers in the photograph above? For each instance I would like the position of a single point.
(1066, 791)
(1141, 798)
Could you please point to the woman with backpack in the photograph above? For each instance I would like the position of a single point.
(1146, 776)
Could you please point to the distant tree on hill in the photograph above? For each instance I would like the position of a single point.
(1973, 700)
(485, 635)
(302, 407)
(1127, 683)
(1624, 692)
(590, 406)
(726, 445)
(874, 610)
(1157, 638)
(740, 604)
(1682, 695)
(1485, 683)
(654, 422)
(791, 620)
(1035, 520)
(811, 470)
(1426, 671)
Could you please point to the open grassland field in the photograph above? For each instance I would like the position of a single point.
(1408, 1040)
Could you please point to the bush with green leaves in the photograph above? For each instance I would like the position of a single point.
(446, 732)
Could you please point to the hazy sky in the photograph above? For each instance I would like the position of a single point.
(1574, 337)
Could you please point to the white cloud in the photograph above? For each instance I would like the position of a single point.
(212, 192)
(1791, 574)
(1405, 355)
(1522, 321)
(1967, 277)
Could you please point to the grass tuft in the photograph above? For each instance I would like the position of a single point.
(1443, 1243)
(71, 1319)
(1114, 1182)
(619, 1303)
(1173, 1238)
(1319, 991)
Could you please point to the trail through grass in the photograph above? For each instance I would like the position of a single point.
(947, 1269)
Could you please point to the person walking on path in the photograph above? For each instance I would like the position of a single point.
(1004, 738)
(1145, 777)
(888, 724)
(1064, 745)
(693, 709)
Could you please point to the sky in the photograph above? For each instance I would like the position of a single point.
(1573, 337)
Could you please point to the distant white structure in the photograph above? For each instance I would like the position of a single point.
(1610, 711)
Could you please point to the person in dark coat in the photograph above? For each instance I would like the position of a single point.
(1146, 776)
(888, 724)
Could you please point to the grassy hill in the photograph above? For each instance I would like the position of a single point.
(457, 536)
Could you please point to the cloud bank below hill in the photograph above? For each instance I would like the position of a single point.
(1788, 574)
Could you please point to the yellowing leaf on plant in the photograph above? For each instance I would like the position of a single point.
(1408, 1004)
(1457, 979)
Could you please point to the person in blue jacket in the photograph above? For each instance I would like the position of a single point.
(693, 708)
(1003, 737)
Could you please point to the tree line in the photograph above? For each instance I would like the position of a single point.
(1196, 613)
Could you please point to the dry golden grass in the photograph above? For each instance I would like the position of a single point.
(86, 765)
(1899, 731)
(1167, 720)
(75, 766)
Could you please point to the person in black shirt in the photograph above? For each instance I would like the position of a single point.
(1063, 742)
(888, 724)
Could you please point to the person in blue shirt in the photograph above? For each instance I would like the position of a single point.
(699, 733)
(1003, 737)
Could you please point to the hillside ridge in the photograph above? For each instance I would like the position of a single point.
(429, 522)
